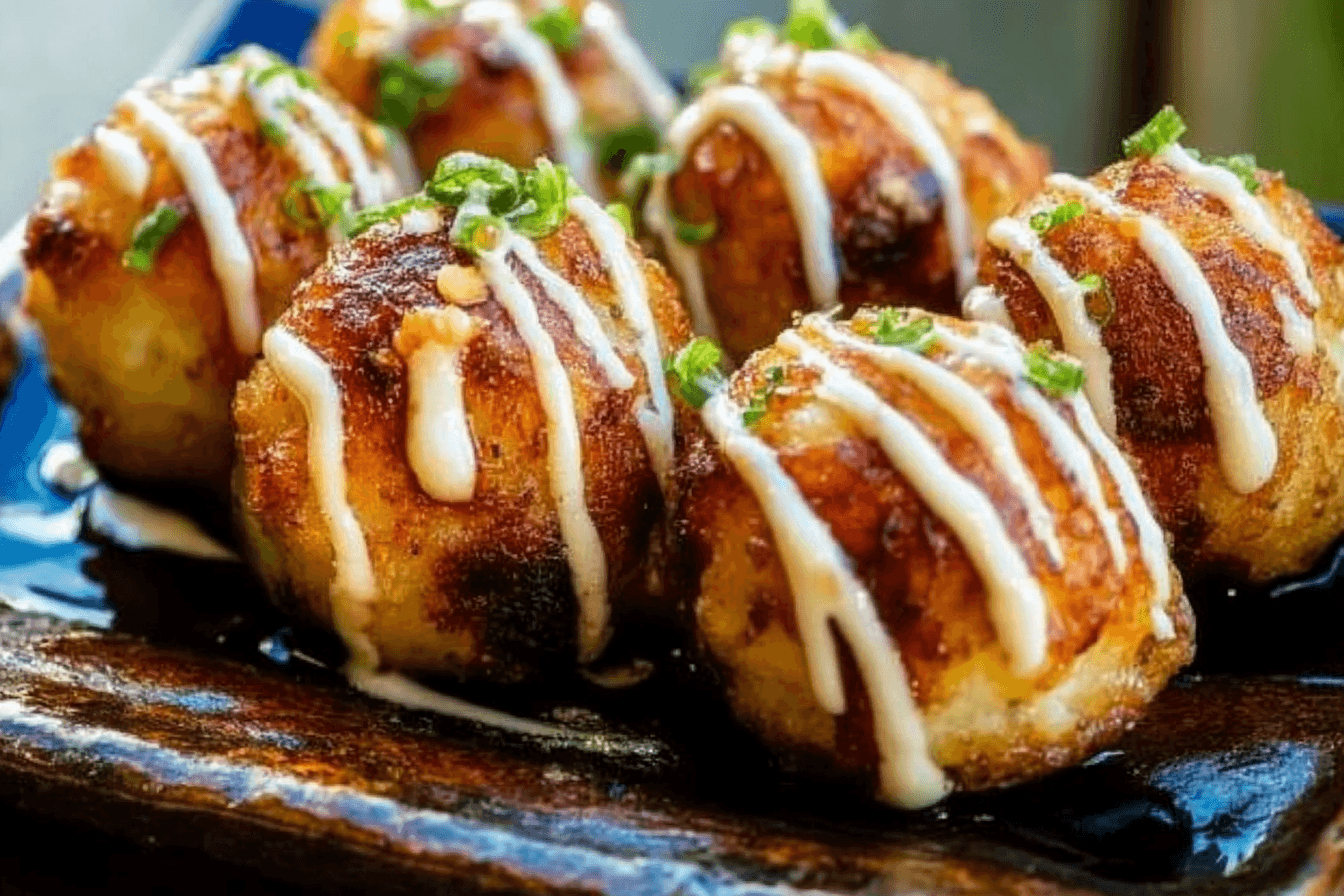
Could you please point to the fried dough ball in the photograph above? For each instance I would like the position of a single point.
(1205, 303)
(810, 178)
(916, 561)
(514, 80)
(171, 236)
(488, 438)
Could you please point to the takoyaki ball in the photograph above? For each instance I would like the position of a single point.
(466, 425)
(169, 238)
(1204, 300)
(515, 80)
(829, 173)
(916, 561)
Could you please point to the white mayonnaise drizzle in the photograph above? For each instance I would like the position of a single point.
(983, 303)
(1066, 445)
(439, 446)
(353, 588)
(587, 557)
(907, 117)
(795, 162)
(124, 159)
(627, 277)
(370, 186)
(973, 412)
(1016, 603)
(1298, 330)
(230, 255)
(1247, 447)
(586, 325)
(825, 591)
(1247, 211)
(559, 106)
(655, 95)
(1068, 304)
(682, 257)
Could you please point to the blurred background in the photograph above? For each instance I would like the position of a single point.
(1265, 76)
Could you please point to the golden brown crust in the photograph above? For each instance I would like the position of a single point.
(480, 588)
(986, 726)
(1158, 371)
(148, 359)
(494, 108)
(9, 359)
(888, 220)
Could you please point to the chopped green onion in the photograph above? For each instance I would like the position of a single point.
(621, 212)
(861, 39)
(1097, 299)
(1044, 222)
(560, 27)
(774, 378)
(809, 24)
(702, 73)
(1243, 166)
(1164, 129)
(895, 329)
(348, 39)
(547, 189)
(618, 149)
(459, 175)
(327, 204)
(696, 371)
(644, 168)
(1051, 373)
(149, 235)
(273, 132)
(756, 26)
(302, 78)
(424, 7)
(406, 89)
(362, 220)
(695, 234)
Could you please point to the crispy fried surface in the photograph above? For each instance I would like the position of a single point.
(887, 209)
(148, 359)
(986, 726)
(480, 588)
(9, 359)
(494, 108)
(1158, 371)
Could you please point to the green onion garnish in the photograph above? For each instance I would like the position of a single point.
(560, 27)
(302, 78)
(362, 220)
(1242, 165)
(406, 89)
(694, 234)
(618, 149)
(348, 39)
(774, 378)
(756, 26)
(894, 328)
(312, 205)
(702, 73)
(1044, 222)
(1053, 374)
(695, 370)
(273, 132)
(621, 212)
(861, 39)
(809, 24)
(148, 236)
(423, 7)
(1097, 299)
(1162, 130)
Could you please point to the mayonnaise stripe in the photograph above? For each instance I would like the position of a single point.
(586, 325)
(230, 255)
(825, 591)
(973, 412)
(587, 558)
(1247, 447)
(1068, 304)
(353, 588)
(631, 287)
(907, 117)
(795, 163)
(1017, 606)
(124, 158)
